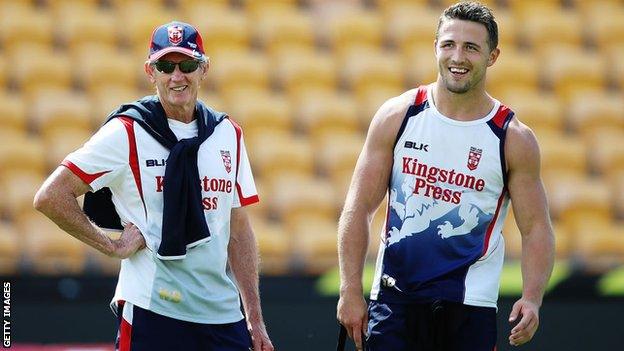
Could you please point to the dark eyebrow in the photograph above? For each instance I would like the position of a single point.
(447, 41)
(474, 44)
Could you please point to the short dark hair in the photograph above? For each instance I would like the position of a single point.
(475, 12)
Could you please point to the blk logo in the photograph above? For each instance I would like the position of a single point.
(416, 146)
(155, 163)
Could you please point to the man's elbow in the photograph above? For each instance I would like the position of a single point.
(43, 199)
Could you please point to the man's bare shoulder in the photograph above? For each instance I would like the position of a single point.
(387, 121)
(521, 144)
(520, 132)
(392, 112)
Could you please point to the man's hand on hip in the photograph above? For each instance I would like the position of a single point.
(130, 241)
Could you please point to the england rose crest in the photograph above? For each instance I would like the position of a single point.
(474, 156)
(227, 160)
(176, 33)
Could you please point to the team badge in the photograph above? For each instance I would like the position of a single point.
(474, 156)
(227, 160)
(175, 34)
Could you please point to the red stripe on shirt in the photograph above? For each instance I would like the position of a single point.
(421, 95)
(501, 114)
(244, 201)
(86, 177)
(488, 233)
(133, 156)
(125, 331)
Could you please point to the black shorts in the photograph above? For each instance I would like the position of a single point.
(439, 326)
(148, 331)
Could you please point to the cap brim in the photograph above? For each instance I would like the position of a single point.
(187, 52)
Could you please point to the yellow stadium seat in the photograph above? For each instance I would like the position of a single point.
(298, 69)
(275, 29)
(513, 239)
(315, 243)
(83, 23)
(363, 68)
(508, 25)
(211, 99)
(19, 187)
(513, 69)
(597, 6)
(420, 65)
(261, 111)
(99, 68)
(387, 7)
(10, 250)
(99, 263)
(370, 101)
(49, 250)
(254, 7)
(3, 72)
(575, 200)
(355, 27)
(540, 30)
(59, 109)
(604, 25)
(323, 111)
(615, 59)
(58, 7)
(547, 115)
(61, 141)
(562, 153)
(313, 197)
(18, 152)
(136, 31)
(190, 4)
(222, 28)
(335, 157)
(593, 110)
(564, 240)
(599, 244)
(13, 112)
(233, 69)
(275, 246)
(526, 7)
(337, 152)
(567, 69)
(24, 24)
(40, 69)
(617, 193)
(411, 25)
(606, 153)
(104, 101)
(275, 153)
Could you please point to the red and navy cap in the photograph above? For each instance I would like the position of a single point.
(176, 37)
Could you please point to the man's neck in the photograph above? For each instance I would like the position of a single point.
(184, 114)
(468, 106)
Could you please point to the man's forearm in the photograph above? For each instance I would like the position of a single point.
(537, 262)
(63, 209)
(353, 233)
(244, 264)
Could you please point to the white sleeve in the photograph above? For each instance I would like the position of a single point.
(245, 192)
(103, 157)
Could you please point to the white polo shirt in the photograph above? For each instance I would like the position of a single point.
(125, 158)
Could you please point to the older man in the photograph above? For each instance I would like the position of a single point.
(178, 176)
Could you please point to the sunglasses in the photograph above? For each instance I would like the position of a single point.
(186, 66)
